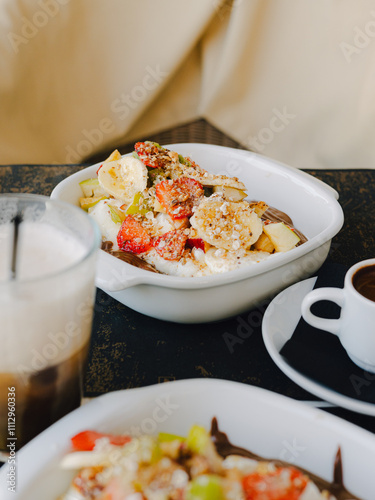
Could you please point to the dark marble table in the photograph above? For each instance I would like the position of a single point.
(132, 350)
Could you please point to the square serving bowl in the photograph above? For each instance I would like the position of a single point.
(311, 204)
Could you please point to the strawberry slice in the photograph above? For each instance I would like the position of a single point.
(148, 153)
(86, 440)
(171, 245)
(133, 237)
(179, 196)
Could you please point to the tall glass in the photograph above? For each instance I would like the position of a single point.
(47, 291)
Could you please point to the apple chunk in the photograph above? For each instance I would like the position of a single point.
(281, 236)
(91, 187)
(90, 201)
(264, 244)
(230, 193)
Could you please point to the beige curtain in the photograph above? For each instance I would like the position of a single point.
(291, 79)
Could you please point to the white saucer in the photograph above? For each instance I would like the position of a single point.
(279, 323)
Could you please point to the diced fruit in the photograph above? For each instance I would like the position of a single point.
(259, 207)
(181, 223)
(148, 452)
(91, 201)
(133, 237)
(280, 484)
(179, 196)
(205, 487)
(138, 206)
(156, 175)
(187, 161)
(166, 437)
(281, 236)
(123, 178)
(147, 152)
(264, 244)
(115, 155)
(198, 439)
(197, 243)
(158, 207)
(171, 245)
(117, 215)
(91, 187)
(230, 193)
(85, 440)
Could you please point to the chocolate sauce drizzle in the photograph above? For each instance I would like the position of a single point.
(128, 257)
(224, 447)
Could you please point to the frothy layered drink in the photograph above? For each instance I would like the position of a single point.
(46, 318)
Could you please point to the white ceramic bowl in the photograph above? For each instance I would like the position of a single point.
(264, 422)
(311, 204)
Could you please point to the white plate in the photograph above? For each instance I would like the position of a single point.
(267, 423)
(279, 323)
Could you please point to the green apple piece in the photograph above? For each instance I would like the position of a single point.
(281, 236)
(138, 205)
(147, 450)
(198, 439)
(90, 201)
(230, 193)
(91, 187)
(117, 215)
(166, 437)
(205, 487)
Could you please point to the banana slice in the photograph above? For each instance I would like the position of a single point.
(225, 224)
(207, 179)
(123, 178)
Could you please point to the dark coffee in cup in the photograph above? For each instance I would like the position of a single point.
(364, 282)
(41, 398)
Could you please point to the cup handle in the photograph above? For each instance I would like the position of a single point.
(332, 294)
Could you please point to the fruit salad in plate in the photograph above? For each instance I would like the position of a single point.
(201, 466)
(160, 208)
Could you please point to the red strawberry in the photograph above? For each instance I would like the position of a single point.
(148, 153)
(133, 237)
(171, 245)
(196, 243)
(179, 196)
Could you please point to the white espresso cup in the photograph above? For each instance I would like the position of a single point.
(356, 326)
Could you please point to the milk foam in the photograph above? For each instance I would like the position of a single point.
(43, 321)
(41, 250)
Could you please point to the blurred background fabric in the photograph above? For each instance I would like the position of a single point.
(293, 80)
